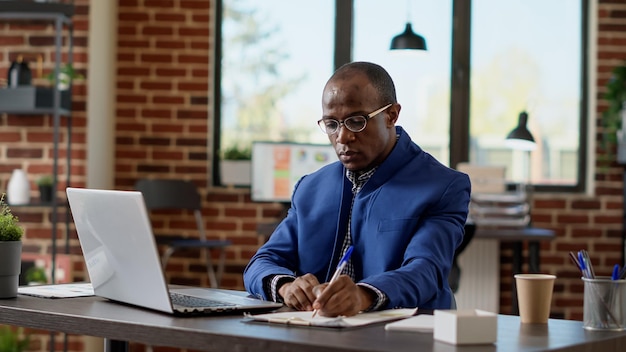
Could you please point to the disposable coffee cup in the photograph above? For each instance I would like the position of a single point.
(604, 305)
(534, 297)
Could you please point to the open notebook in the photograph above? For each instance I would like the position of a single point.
(307, 319)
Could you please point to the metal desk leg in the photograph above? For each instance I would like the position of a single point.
(517, 268)
(115, 345)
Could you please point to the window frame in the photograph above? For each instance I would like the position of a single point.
(459, 85)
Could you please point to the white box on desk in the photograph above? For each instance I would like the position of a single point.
(466, 327)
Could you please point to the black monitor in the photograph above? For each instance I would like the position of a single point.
(277, 166)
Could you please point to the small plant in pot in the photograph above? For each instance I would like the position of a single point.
(45, 184)
(10, 251)
(236, 152)
(235, 166)
(36, 275)
(67, 74)
(13, 339)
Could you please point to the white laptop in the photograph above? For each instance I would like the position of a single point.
(120, 252)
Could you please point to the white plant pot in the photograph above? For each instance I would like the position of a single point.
(18, 188)
(236, 172)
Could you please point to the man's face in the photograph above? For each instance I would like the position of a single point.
(354, 95)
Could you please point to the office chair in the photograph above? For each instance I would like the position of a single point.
(183, 195)
(454, 278)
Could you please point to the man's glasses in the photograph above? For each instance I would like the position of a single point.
(355, 123)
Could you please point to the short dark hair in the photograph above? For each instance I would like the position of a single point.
(380, 78)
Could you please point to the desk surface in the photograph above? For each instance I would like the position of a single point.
(98, 317)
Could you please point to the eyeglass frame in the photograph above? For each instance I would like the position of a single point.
(367, 117)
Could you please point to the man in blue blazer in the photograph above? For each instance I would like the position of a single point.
(401, 210)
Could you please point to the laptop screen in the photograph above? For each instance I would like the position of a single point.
(120, 252)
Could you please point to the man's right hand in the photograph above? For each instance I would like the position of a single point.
(298, 294)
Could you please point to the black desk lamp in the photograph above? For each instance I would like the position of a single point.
(520, 137)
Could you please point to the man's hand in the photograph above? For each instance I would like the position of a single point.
(298, 294)
(342, 297)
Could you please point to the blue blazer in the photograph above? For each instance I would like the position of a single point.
(407, 221)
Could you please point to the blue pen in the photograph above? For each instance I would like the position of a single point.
(615, 275)
(583, 268)
(342, 264)
(622, 273)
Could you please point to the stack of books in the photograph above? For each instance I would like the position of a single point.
(505, 209)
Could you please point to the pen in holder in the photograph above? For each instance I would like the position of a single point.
(604, 304)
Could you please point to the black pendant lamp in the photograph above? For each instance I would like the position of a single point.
(520, 137)
(408, 40)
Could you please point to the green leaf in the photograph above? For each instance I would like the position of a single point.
(9, 224)
(13, 340)
(611, 118)
(237, 153)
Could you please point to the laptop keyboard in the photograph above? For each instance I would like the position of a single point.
(195, 302)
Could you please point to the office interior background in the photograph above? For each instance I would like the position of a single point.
(171, 112)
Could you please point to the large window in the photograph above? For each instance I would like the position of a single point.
(526, 55)
(521, 55)
(273, 66)
(422, 79)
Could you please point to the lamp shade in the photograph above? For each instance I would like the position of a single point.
(408, 40)
(520, 137)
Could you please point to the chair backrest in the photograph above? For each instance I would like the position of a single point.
(169, 194)
(173, 194)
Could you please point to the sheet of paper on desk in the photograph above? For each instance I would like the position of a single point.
(307, 319)
(57, 291)
(420, 323)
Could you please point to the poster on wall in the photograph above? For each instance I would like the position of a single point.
(276, 167)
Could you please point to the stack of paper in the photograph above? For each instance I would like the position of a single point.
(57, 291)
(420, 323)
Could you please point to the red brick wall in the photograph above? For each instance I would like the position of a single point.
(26, 141)
(590, 222)
(163, 128)
(162, 105)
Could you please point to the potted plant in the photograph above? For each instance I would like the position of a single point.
(13, 340)
(235, 166)
(613, 117)
(67, 74)
(36, 275)
(10, 251)
(45, 184)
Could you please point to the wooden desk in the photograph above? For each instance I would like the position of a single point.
(98, 317)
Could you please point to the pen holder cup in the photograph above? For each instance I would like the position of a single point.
(604, 306)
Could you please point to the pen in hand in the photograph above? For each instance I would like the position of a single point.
(342, 264)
